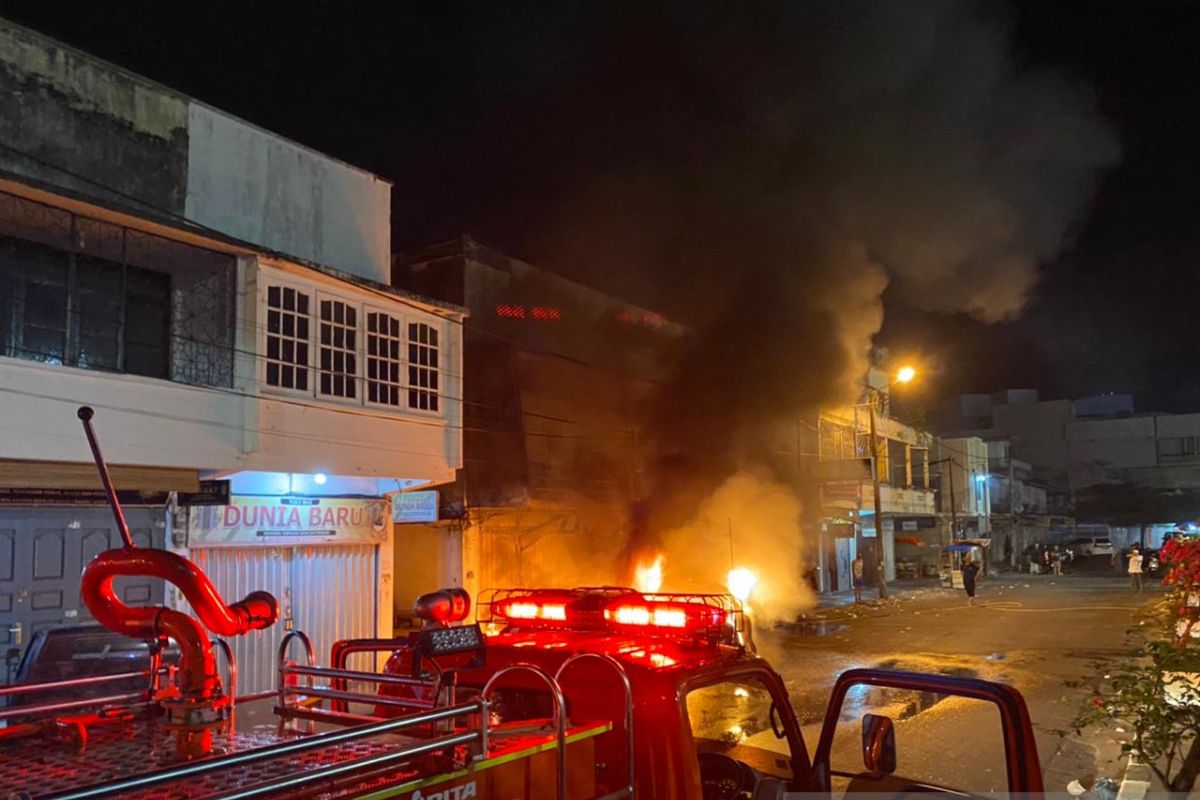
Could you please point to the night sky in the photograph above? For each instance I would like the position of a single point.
(489, 118)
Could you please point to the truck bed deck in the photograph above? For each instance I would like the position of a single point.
(42, 767)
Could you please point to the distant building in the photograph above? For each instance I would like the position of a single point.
(1064, 448)
(910, 534)
(964, 496)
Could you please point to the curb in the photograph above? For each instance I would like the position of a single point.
(1135, 783)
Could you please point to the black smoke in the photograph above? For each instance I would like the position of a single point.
(789, 161)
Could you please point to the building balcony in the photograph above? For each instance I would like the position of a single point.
(894, 499)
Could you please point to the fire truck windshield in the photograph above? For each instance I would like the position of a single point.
(735, 721)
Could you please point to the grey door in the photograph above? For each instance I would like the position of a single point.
(43, 552)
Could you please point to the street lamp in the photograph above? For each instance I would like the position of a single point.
(904, 375)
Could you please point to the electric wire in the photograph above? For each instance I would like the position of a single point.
(391, 297)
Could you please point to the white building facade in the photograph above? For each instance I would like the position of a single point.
(261, 393)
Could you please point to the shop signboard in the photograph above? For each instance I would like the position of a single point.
(289, 521)
(212, 493)
(415, 507)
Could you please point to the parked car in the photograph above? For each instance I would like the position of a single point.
(66, 653)
(1091, 546)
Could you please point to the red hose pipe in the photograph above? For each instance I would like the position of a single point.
(198, 676)
(198, 671)
(257, 611)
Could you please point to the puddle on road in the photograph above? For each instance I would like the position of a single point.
(817, 628)
(899, 704)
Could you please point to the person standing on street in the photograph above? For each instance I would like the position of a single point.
(969, 570)
(1008, 550)
(856, 577)
(1135, 569)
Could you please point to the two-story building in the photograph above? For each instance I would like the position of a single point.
(908, 528)
(558, 375)
(221, 296)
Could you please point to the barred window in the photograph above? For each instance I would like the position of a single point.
(422, 366)
(383, 359)
(59, 307)
(339, 349)
(287, 338)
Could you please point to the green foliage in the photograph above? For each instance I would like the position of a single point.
(1155, 693)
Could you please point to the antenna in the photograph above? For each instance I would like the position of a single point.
(85, 416)
(730, 542)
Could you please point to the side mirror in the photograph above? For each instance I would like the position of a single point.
(879, 744)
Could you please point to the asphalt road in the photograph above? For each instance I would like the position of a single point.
(1033, 632)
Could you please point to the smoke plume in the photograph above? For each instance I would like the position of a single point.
(749, 521)
(788, 163)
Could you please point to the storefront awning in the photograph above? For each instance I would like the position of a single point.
(16, 474)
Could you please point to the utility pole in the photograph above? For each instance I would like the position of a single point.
(953, 502)
(879, 560)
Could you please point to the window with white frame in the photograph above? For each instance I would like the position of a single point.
(338, 366)
(422, 366)
(287, 338)
(384, 359)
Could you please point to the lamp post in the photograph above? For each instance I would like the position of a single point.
(904, 375)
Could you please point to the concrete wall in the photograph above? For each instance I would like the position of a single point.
(73, 121)
(535, 308)
(1170, 425)
(154, 422)
(1038, 433)
(1099, 445)
(1028, 499)
(1128, 449)
(969, 467)
(260, 188)
(139, 420)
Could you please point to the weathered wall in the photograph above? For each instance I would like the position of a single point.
(73, 121)
(76, 122)
(1038, 434)
(260, 188)
(1127, 449)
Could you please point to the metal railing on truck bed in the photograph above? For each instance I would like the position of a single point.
(367, 751)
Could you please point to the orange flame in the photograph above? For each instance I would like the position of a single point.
(648, 576)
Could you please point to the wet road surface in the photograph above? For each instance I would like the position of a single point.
(1034, 632)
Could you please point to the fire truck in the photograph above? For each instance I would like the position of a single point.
(594, 692)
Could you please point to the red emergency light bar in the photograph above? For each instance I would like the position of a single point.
(711, 617)
(652, 613)
(521, 610)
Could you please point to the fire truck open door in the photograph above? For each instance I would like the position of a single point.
(877, 738)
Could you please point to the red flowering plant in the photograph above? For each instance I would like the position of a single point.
(1154, 691)
(1181, 558)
